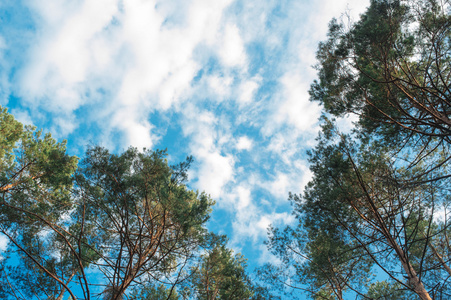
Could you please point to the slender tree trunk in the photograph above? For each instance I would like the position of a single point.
(63, 290)
(414, 281)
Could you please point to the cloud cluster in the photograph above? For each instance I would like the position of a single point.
(125, 50)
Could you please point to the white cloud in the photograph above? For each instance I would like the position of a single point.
(22, 116)
(173, 88)
(247, 90)
(297, 108)
(280, 186)
(205, 17)
(244, 143)
(63, 125)
(137, 129)
(220, 86)
(245, 224)
(291, 104)
(276, 219)
(292, 177)
(252, 223)
(208, 135)
(215, 172)
(61, 58)
(244, 197)
(232, 52)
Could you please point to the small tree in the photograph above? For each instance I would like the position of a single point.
(221, 274)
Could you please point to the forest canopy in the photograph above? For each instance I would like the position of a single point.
(112, 226)
(374, 220)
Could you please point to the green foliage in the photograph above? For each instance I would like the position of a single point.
(216, 274)
(383, 290)
(35, 188)
(138, 215)
(35, 170)
(153, 292)
(391, 68)
(131, 216)
(221, 273)
(397, 47)
(374, 198)
(323, 294)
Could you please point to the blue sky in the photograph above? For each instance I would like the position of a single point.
(224, 81)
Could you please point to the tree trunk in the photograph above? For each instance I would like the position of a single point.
(414, 281)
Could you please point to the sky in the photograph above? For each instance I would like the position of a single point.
(224, 81)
